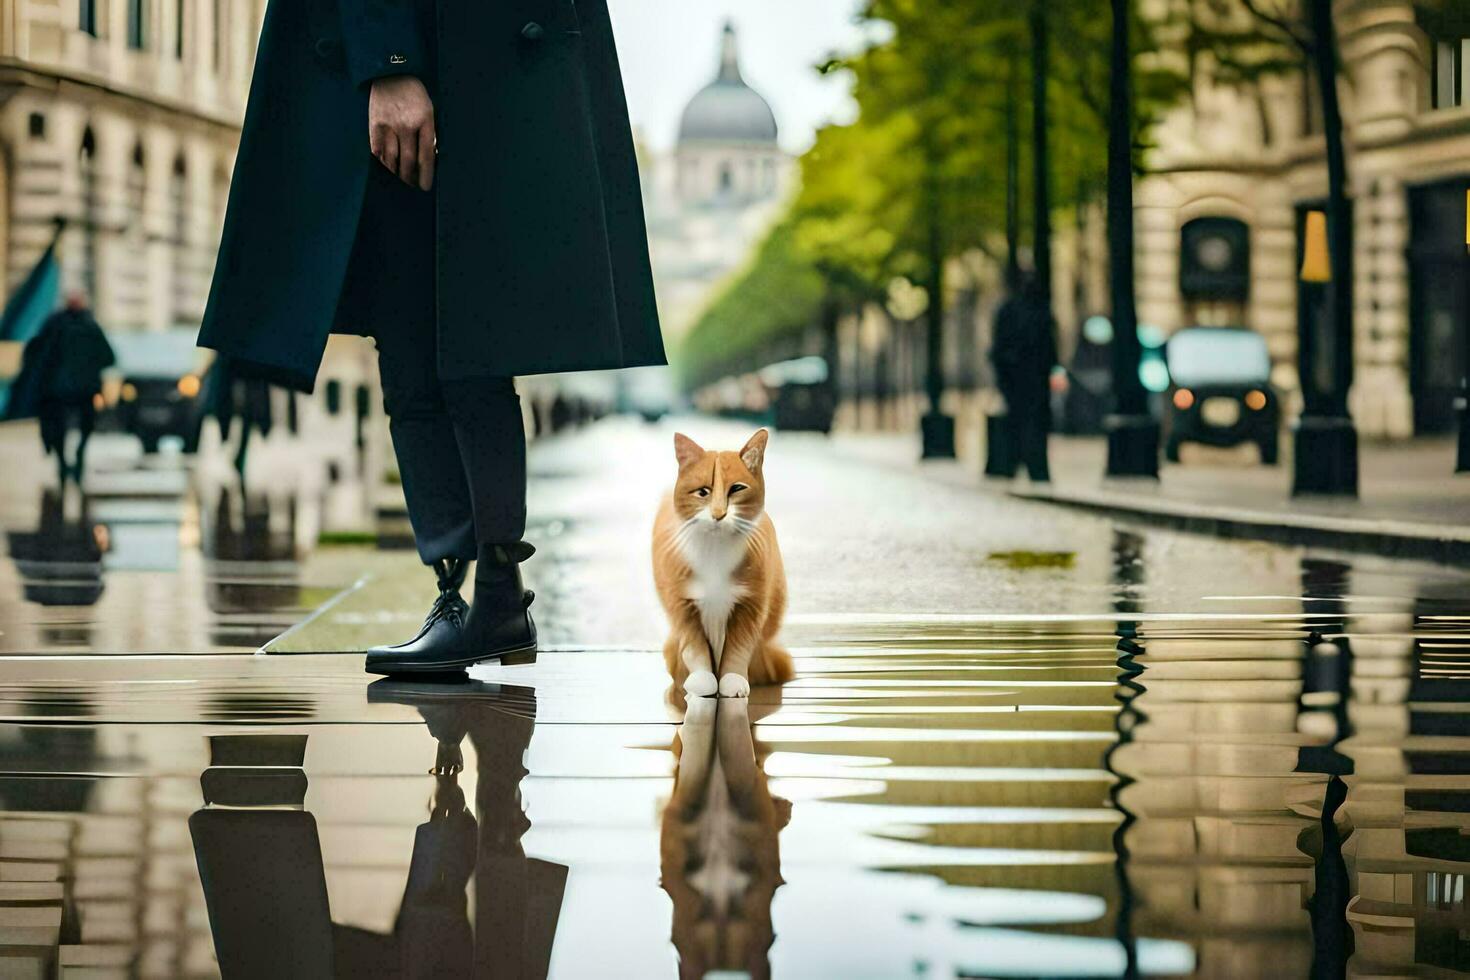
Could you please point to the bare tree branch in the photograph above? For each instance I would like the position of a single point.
(1281, 23)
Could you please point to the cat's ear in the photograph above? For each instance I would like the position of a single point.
(686, 450)
(753, 453)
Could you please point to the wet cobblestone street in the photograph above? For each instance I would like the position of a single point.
(1022, 741)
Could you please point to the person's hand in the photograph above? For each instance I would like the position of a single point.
(401, 129)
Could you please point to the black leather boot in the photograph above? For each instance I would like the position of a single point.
(437, 646)
(500, 625)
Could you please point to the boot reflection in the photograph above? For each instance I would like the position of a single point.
(260, 857)
(721, 859)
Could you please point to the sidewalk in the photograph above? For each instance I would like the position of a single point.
(1410, 505)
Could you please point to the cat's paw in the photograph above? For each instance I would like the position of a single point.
(734, 686)
(701, 684)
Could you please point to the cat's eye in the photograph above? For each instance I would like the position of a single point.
(737, 487)
(702, 492)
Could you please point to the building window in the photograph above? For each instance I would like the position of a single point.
(1448, 72)
(138, 24)
(37, 126)
(179, 30)
(184, 311)
(87, 16)
(221, 13)
(87, 170)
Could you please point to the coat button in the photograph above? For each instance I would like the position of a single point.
(533, 31)
(325, 47)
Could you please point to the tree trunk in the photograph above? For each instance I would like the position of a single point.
(1129, 397)
(1040, 155)
(934, 319)
(936, 428)
(1325, 451)
(1133, 435)
(1013, 175)
(1339, 210)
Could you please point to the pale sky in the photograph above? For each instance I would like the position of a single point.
(669, 49)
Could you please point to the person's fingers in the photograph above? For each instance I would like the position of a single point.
(428, 146)
(376, 136)
(388, 154)
(408, 157)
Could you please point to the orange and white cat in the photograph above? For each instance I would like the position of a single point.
(719, 575)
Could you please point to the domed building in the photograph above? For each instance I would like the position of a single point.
(728, 151)
(711, 199)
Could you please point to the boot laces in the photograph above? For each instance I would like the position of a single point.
(450, 605)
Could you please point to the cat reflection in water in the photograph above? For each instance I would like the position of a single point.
(719, 575)
(719, 844)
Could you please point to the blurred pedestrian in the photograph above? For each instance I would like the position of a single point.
(1023, 352)
(495, 229)
(60, 382)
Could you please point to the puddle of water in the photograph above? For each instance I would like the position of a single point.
(1023, 560)
(1269, 796)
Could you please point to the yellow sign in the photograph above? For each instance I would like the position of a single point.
(1316, 266)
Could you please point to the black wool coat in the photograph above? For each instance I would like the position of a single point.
(542, 252)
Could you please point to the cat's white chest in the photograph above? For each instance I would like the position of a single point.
(713, 558)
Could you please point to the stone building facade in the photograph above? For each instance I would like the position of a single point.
(1255, 157)
(1233, 170)
(122, 117)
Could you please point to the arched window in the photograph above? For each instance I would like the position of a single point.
(221, 16)
(87, 174)
(138, 24)
(132, 285)
(1215, 259)
(182, 276)
(87, 17)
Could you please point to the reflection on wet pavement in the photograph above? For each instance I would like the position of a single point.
(221, 571)
(1270, 796)
(1265, 777)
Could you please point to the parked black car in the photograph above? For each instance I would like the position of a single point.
(160, 387)
(1220, 391)
(802, 396)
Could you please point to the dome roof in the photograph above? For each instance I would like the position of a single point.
(727, 109)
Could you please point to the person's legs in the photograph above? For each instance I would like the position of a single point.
(460, 445)
(86, 421)
(429, 459)
(491, 437)
(1033, 446)
(389, 290)
(492, 444)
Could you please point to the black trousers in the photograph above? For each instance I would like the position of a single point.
(1028, 422)
(461, 445)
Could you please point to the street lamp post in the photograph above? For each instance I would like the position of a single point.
(1462, 456)
(936, 428)
(1325, 455)
(1133, 434)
